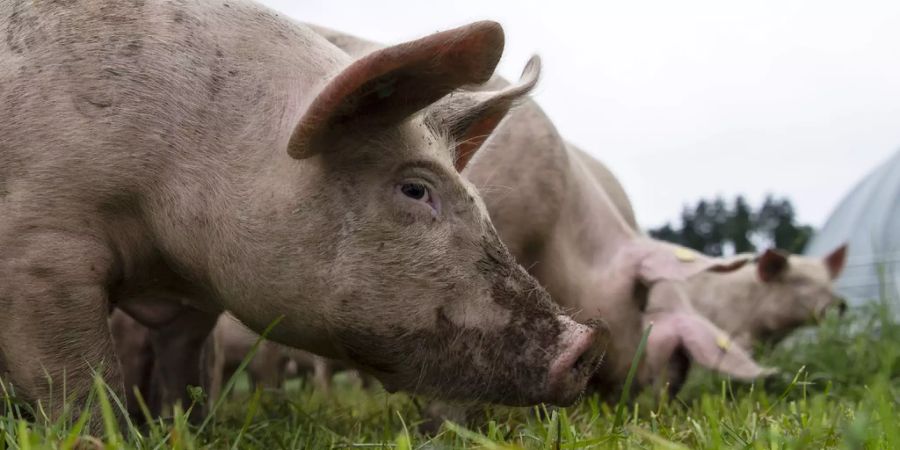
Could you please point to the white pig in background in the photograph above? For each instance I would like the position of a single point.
(761, 302)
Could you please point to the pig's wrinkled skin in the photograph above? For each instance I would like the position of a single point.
(561, 224)
(186, 158)
(759, 303)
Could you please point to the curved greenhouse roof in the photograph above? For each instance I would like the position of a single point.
(869, 219)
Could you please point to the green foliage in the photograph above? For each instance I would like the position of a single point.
(713, 226)
(839, 388)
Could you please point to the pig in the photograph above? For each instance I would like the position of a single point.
(561, 224)
(761, 303)
(179, 159)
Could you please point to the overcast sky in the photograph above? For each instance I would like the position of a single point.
(689, 99)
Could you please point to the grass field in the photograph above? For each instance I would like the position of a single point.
(839, 388)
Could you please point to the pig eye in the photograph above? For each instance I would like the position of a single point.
(416, 191)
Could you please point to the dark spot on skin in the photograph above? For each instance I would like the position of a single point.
(219, 53)
(232, 72)
(133, 48)
(11, 31)
(42, 272)
(215, 85)
(442, 320)
(112, 72)
(178, 17)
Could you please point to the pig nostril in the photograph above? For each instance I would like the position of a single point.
(579, 363)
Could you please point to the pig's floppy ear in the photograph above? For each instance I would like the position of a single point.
(677, 326)
(469, 117)
(771, 264)
(391, 84)
(664, 261)
(836, 260)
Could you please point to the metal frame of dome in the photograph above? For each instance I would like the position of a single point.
(868, 218)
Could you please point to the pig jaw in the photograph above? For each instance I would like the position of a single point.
(488, 376)
(538, 355)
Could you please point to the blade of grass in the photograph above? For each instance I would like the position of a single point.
(106, 411)
(248, 418)
(629, 379)
(231, 381)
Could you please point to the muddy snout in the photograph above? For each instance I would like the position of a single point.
(582, 348)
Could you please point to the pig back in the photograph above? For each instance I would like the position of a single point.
(129, 95)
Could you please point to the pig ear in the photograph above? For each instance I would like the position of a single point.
(771, 264)
(470, 117)
(836, 260)
(663, 261)
(391, 84)
(677, 326)
(703, 342)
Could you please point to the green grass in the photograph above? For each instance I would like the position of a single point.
(839, 388)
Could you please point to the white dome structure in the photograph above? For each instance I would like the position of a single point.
(868, 218)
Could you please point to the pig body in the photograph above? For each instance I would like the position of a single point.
(764, 302)
(176, 160)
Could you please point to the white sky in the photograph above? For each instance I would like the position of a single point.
(688, 99)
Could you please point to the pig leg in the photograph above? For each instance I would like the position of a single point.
(136, 355)
(323, 371)
(266, 369)
(216, 374)
(180, 361)
(54, 334)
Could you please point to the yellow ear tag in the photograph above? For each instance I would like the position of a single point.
(723, 342)
(685, 254)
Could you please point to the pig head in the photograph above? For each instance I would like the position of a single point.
(765, 301)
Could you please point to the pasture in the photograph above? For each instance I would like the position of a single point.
(839, 388)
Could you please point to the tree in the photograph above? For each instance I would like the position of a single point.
(718, 227)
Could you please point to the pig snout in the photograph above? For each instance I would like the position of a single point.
(582, 347)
